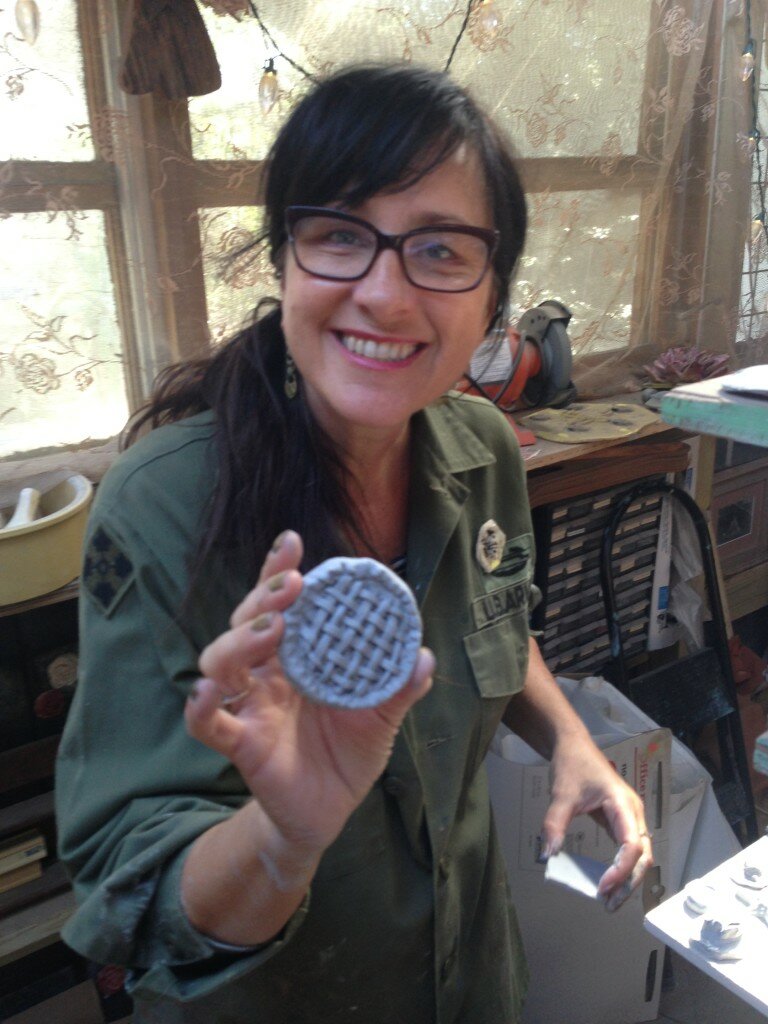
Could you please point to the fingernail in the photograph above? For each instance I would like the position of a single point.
(278, 542)
(276, 583)
(262, 622)
(616, 898)
(550, 848)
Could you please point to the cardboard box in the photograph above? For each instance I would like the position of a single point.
(588, 966)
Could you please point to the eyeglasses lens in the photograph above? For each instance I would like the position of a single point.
(443, 259)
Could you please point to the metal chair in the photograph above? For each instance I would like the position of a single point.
(698, 688)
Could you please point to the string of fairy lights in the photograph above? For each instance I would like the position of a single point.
(754, 137)
(483, 13)
(486, 22)
(758, 241)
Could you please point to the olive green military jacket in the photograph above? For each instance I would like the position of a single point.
(408, 919)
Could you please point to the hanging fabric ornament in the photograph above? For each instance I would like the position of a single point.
(747, 61)
(268, 87)
(28, 20)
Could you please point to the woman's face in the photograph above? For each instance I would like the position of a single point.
(422, 341)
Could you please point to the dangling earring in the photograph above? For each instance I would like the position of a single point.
(291, 385)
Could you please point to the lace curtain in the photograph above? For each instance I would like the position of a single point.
(117, 210)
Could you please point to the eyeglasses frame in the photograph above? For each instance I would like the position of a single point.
(293, 214)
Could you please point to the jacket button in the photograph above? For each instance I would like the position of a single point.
(394, 786)
(444, 865)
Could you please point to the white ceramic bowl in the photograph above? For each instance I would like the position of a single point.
(45, 554)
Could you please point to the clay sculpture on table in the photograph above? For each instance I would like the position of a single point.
(698, 896)
(719, 939)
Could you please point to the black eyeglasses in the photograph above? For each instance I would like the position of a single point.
(339, 247)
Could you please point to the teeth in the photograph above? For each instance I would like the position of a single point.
(384, 352)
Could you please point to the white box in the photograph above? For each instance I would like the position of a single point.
(588, 966)
(699, 836)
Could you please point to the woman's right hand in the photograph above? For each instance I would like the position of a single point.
(308, 765)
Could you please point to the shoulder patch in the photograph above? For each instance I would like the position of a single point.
(107, 571)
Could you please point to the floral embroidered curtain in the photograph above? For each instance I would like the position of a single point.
(129, 170)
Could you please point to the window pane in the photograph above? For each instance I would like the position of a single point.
(233, 285)
(581, 250)
(61, 367)
(571, 81)
(44, 111)
(564, 79)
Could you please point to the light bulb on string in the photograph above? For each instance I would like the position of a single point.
(756, 231)
(752, 140)
(268, 87)
(487, 18)
(747, 61)
(28, 19)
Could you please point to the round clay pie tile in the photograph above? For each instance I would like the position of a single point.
(353, 635)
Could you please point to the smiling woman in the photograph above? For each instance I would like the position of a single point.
(374, 340)
(408, 163)
(248, 852)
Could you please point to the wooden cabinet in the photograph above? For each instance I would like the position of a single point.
(34, 637)
(739, 514)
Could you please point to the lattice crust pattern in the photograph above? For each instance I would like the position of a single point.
(352, 637)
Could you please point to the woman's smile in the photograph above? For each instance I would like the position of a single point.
(368, 350)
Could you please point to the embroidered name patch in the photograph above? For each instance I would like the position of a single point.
(500, 603)
(107, 571)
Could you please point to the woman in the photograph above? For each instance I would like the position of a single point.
(279, 860)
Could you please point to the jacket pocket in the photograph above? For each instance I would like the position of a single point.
(498, 655)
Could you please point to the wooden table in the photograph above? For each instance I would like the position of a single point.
(558, 471)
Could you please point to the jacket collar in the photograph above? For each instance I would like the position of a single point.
(442, 431)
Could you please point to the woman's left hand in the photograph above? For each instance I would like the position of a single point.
(584, 782)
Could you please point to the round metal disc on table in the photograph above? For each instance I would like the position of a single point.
(353, 635)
